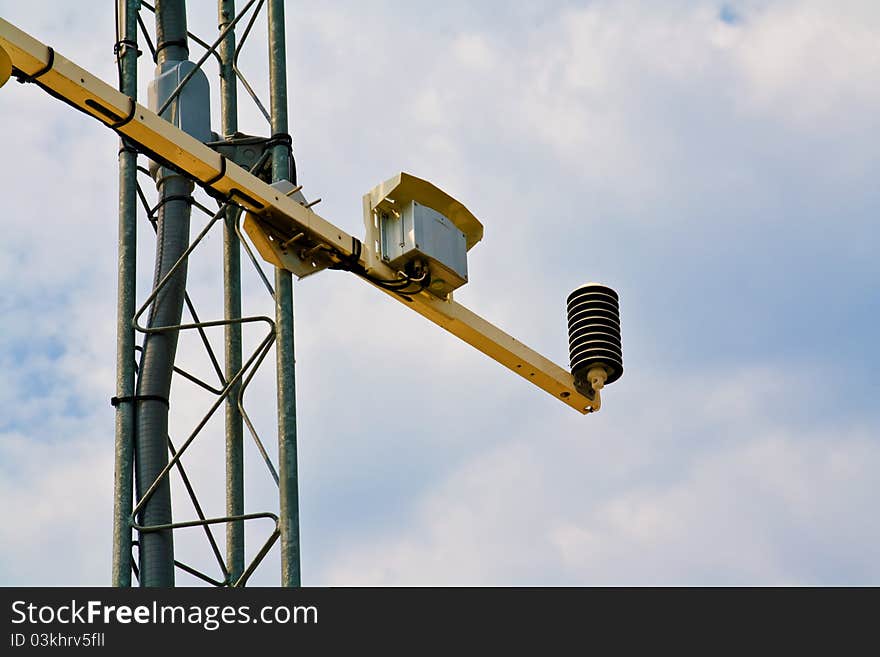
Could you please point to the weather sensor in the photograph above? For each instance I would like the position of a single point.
(416, 243)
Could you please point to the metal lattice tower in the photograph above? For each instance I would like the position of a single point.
(146, 457)
(174, 168)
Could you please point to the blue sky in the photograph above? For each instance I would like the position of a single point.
(715, 162)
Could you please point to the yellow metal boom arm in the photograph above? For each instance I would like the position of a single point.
(272, 211)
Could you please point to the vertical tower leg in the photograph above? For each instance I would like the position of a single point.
(125, 307)
(287, 461)
(232, 310)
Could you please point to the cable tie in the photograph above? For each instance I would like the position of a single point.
(126, 43)
(173, 42)
(127, 148)
(116, 401)
(171, 197)
(280, 139)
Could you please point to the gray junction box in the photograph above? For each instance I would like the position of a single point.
(191, 109)
(420, 232)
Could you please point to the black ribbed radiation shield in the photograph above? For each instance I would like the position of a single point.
(594, 331)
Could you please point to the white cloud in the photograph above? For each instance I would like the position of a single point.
(57, 491)
(808, 63)
(759, 500)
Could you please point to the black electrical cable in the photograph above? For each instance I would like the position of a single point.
(132, 107)
(48, 67)
(120, 46)
(187, 198)
(351, 263)
(282, 138)
(218, 176)
(399, 286)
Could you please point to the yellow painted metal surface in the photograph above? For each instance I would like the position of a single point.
(405, 187)
(453, 317)
(98, 99)
(501, 347)
(5, 67)
(275, 218)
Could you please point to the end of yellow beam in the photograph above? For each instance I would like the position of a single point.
(5, 66)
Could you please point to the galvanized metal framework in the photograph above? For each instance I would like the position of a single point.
(235, 535)
(125, 307)
(274, 219)
(233, 377)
